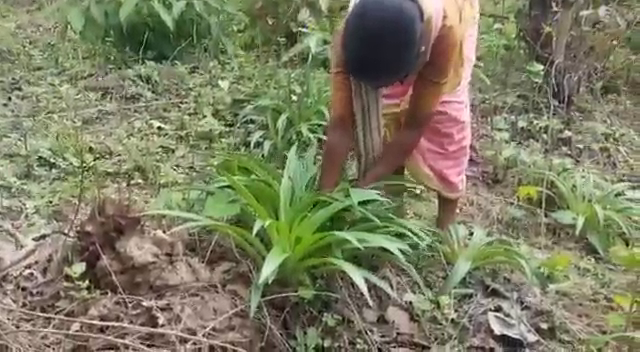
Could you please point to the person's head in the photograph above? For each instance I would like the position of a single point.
(382, 40)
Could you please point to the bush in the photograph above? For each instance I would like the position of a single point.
(153, 29)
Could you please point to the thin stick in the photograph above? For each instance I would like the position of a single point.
(4, 271)
(124, 326)
(80, 334)
(15, 236)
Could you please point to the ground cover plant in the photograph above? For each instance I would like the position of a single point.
(151, 197)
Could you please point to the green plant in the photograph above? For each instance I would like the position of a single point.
(594, 207)
(318, 337)
(280, 118)
(274, 23)
(479, 251)
(626, 322)
(553, 268)
(293, 233)
(154, 29)
(79, 287)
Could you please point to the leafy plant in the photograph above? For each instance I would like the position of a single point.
(624, 323)
(479, 251)
(79, 287)
(293, 233)
(275, 22)
(554, 267)
(597, 209)
(154, 29)
(318, 337)
(281, 118)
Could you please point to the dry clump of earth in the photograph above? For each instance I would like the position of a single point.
(119, 284)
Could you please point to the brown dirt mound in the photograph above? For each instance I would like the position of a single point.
(139, 290)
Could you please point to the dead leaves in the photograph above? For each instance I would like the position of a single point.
(502, 319)
(515, 328)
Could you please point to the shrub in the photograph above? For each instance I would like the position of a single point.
(154, 29)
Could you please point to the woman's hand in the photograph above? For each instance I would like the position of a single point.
(334, 156)
(395, 153)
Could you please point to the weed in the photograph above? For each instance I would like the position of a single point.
(626, 322)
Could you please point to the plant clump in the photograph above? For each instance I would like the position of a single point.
(293, 233)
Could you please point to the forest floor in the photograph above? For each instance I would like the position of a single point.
(75, 132)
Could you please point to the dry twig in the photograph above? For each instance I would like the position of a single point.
(137, 328)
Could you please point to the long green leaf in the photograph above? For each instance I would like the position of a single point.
(164, 14)
(602, 340)
(259, 168)
(249, 199)
(76, 19)
(360, 195)
(126, 9)
(255, 297)
(303, 206)
(97, 12)
(178, 8)
(254, 249)
(287, 184)
(271, 264)
(459, 271)
(599, 241)
(318, 217)
(356, 274)
(266, 196)
(370, 240)
(503, 254)
(614, 191)
(177, 214)
(379, 282)
(312, 244)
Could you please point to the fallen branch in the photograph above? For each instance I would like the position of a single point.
(137, 328)
(80, 334)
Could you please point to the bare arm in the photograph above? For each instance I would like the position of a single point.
(340, 129)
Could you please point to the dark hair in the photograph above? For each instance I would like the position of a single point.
(382, 40)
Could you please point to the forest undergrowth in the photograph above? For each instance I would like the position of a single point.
(158, 177)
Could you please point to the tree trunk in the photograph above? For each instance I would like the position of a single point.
(547, 41)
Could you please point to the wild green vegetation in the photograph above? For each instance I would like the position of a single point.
(206, 117)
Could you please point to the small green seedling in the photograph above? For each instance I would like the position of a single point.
(469, 251)
(626, 322)
(80, 287)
